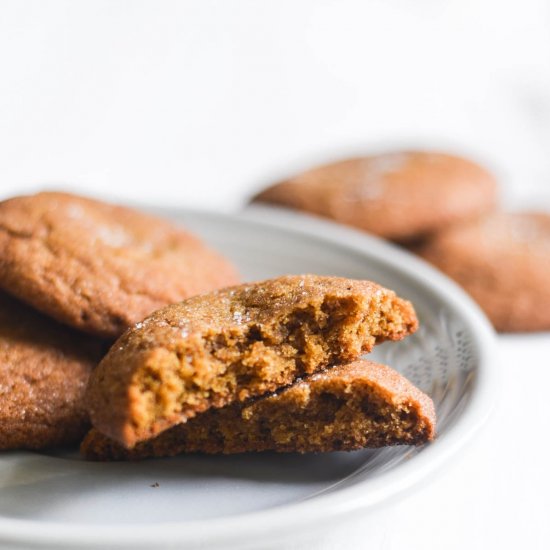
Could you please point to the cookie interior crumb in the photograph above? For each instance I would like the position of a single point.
(349, 407)
(256, 353)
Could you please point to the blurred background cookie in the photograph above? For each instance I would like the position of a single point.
(100, 267)
(400, 195)
(503, 261)
(44, 368)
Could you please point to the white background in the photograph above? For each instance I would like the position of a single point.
(200, 103)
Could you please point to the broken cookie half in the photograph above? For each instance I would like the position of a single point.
(348, 407)
(230, 345)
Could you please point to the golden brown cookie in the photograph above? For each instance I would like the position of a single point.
(400, 196)
(503, 261)
(44, 368)
(99, 267)
(348, 407)
(240, 342)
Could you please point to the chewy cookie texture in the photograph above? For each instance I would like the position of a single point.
(99, 267)
(401, 196)
(44, 369)
(352, 406)
(234, 344)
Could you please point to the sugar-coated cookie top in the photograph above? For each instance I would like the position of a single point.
(97, 266)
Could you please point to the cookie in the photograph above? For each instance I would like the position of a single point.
(400, 196)
(503, 262)
(44, 369)
(99, 267)
(236, 343)
(348, 407)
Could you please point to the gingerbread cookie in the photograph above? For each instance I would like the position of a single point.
(348, 407)
(44, 369)
(503, 261)
(401, 196)
(240, 342)
(99, 267)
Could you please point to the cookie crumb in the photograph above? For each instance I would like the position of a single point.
(263, 338)
(347, 407)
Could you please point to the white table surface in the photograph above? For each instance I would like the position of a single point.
(199, 103)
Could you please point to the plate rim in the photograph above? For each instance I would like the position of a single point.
(284, 520)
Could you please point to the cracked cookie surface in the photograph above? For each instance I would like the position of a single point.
(353, 406)
(237, 343)
(100, 267)
(44, 369)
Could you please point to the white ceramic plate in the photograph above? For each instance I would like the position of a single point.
(253, 501)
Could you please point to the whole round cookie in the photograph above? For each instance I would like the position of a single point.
(44, 369)
(503, 261)
(100, 267)
(400, 196)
